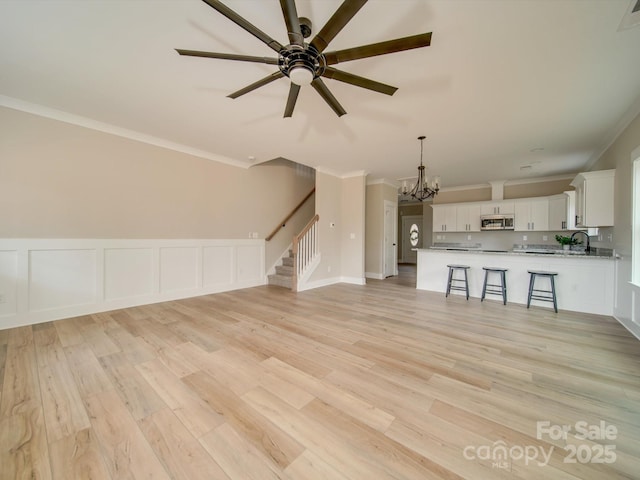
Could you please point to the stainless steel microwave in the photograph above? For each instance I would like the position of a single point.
(496, 222)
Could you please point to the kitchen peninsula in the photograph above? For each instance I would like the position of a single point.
(585, 282)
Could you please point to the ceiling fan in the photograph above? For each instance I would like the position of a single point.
(306, 63)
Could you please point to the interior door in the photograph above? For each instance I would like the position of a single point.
(411, 237)
(390, 250)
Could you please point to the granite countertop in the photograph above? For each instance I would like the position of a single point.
(529, 250)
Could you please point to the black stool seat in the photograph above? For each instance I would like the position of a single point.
(452, 283)
(495, 288)
(542, 295)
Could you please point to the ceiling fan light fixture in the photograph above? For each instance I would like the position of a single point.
(301, 75)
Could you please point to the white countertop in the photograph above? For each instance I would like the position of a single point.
(527, 252)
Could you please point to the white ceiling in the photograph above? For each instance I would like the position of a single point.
(501, 80)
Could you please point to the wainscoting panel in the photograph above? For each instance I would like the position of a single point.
(218, 266)
(248, 258)
(178, 269)
(128, 272)
(61, 278)
(49, 279)
(8, 282)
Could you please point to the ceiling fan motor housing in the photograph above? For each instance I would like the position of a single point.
(293, 57)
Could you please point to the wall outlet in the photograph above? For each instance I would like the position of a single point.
(468, 237)
(329, 269)
(545, 238)
(524, 238)
(438, 237)
(610, 237)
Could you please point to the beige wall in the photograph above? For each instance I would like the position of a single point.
(340, 202)
(353, 227)
(618, 156)
(537, 189)
(376, 195)
(467, 195)
(328, 207)
(64, 181)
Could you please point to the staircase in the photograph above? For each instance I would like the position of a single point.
(284, 273)
(303, 259)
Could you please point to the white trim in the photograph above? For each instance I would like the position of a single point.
(383, 181)
(332, 281)
(47, 112)
(375, 276)
(356, 173)
(319, 283)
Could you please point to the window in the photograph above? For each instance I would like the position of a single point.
(414, 235)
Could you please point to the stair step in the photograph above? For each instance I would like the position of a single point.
(287, 261)
(280, 280)
(284, 270)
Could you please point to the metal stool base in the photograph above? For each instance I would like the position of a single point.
(497, 289)
(451, 283)
(539, 294)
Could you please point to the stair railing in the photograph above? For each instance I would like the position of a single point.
(305, 250)
(283, 223)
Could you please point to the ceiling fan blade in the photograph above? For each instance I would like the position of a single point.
(241, 22)
(382, 48)
(358, 81)
(260, 83)
(293, 24)
(227, 56)
(291, 101)
(338, 20)
(324, 92)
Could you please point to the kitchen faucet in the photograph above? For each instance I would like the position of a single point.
(588, 249)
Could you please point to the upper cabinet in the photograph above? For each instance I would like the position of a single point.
(444, 218)
(468, 218)
(532, 214)
(558, 212)
(594, 198)
(497, 208)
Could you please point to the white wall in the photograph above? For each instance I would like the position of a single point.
(49, 279)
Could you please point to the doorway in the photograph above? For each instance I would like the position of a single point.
(412, 236)
(390, 247)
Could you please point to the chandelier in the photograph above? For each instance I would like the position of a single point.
(423, 189)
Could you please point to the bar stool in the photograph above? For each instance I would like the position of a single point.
(451, 283)
(541, 293)
(502, 286)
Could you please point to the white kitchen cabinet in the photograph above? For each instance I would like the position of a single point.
(532, 214)
(497, 208)
(444, 218)
(558, 212)
(468, 218)
(594, 198)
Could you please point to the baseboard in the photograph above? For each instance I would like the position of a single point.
(353, 280)
(632, 327)
(376, 276)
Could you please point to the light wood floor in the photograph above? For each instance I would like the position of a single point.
(343, 382)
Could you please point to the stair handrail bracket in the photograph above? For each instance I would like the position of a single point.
(305, 250)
